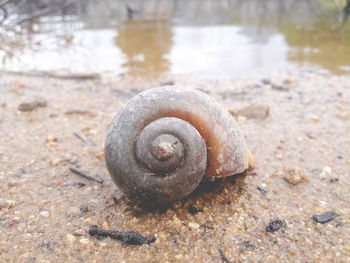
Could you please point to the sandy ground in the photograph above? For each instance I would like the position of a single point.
(46, 210)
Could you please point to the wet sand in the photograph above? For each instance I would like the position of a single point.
(46, 210)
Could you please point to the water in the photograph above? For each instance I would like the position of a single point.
(204, 38)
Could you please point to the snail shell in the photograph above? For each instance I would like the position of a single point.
(164, 141)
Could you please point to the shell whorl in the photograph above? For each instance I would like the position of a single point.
(164, 140)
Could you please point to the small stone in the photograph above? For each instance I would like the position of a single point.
(280, 87)
(266, 81)
(326, 172)
(193, 226)
(345, 115)
(51, 139)
(275, 225)
(55, 162)
(45, 214)
(86, 128)
(70, 238)
(51, 145)
(293, 176)
(325, 217)
(84, 209)
(251, 164)
(100, 155)
(258, 112)
(29, 106)
(7, 204)
(84, 241)
(315, 118)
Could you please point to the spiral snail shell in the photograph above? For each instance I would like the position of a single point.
(165, 140)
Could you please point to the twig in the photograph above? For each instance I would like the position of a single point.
(73, 76)
(79, 137)
(129, 237)
(90, 178)
(224, 259)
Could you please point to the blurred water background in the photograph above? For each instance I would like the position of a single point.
(197, 37)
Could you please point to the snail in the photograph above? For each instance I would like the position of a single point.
(166, 140)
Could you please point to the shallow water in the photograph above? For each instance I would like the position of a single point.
(204, 38)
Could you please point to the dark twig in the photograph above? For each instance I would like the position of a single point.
(224, 259)
(129, 237)
(90, 178)
(79, 137)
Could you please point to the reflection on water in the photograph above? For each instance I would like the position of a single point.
(226, 50)
(145, 44)
(323, 43)
(224, 37)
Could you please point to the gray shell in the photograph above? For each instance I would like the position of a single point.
(213, 145)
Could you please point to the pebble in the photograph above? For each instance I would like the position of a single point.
(325, 217)
(275, 225)
(100, 155)
(54, 162)
(259, 112)
(45, 214)
(315, 118)
(6, 204)
(326, 172)
(193, 226)
(32, 105)
(84, 241)
(51, 145)
(70, 238)
(84, 209)
(293, 176)
(345, 115)
(51, 139)
(280, 87)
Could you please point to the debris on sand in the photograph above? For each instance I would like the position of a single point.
(275, 225)
(194, 210)
(325, 217)
(258, 112)
(224, 259)
(129, 237)
(32, 105)
(294, 176)
(90, 178)
(326, 172)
